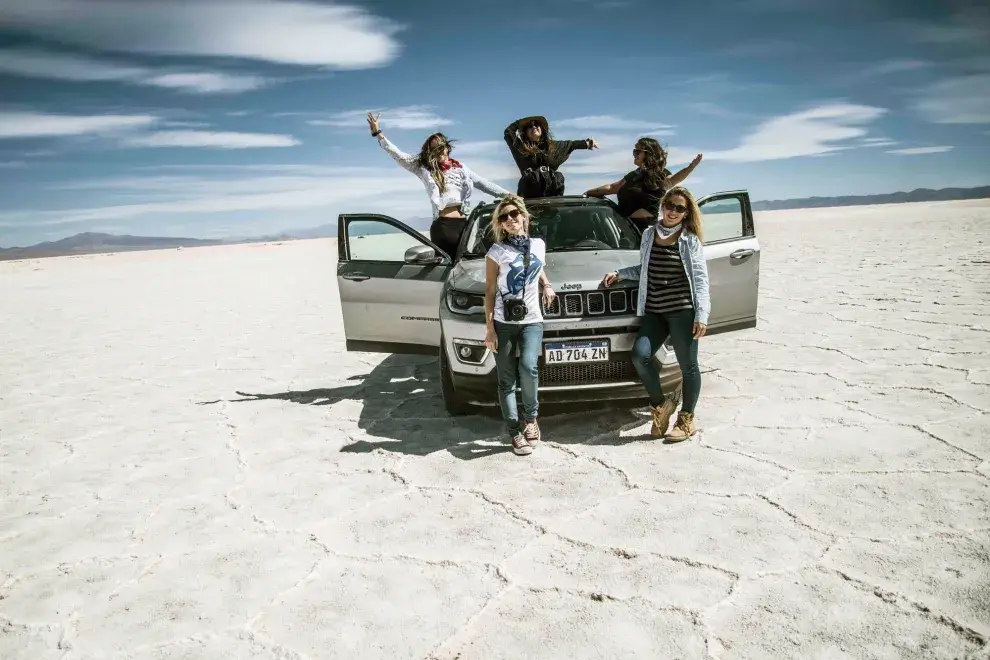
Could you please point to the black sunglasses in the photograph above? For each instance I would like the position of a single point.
(508, 215)
(670, 206)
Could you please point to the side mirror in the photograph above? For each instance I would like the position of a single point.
(420, 254)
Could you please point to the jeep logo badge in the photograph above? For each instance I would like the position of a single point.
(570, 287)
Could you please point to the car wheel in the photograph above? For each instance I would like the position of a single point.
(452, 401)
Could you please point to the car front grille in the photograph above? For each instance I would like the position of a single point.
(591, 373)
(590, 304)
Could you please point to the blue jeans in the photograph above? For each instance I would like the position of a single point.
(655, 329)
(522, 371)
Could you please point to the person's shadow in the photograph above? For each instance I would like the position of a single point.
(402, 410)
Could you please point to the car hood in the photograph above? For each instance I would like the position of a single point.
(568, 271)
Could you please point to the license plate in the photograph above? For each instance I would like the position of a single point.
(576, 352)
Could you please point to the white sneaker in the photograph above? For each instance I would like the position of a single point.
(520, 446)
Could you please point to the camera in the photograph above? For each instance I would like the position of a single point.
(514, 310)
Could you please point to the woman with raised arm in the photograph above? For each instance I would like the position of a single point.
(447, 182)
(538, 156)
(674, 302)
(639, 191)
(514, 282)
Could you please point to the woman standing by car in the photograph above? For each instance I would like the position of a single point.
(447, 182)
(673, 301)
(538, 156)
(514, 279)
(638, 192)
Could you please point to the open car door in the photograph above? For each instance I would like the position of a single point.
(733, 255)
(390, 279)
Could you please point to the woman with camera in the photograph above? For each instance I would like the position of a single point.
(514, 282)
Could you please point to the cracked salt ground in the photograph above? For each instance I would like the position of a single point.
(202, 472)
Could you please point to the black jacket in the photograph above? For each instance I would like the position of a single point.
(554, 158)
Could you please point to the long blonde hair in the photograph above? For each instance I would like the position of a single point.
(495, 227)
(692, 219)
(429, 157)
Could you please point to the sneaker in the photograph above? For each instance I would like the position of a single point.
(683, 428)
(532, 433)
(661, 417)
(520, 446)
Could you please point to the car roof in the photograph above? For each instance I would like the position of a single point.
(563, 200)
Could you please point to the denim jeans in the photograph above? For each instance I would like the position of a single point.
(521, 371)
(655, 329)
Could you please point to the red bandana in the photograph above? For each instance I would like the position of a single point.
(449, 164)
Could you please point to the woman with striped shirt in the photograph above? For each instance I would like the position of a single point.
(674, 302)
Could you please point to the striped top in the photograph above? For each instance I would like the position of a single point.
(668, 289)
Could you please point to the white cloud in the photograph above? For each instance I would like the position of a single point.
(812, 132)
(412, 117)
(208, 82)
(77, 68)
(920, 151)
(282, 31)
(877, 142)
(959, 100)
(36, 124)
(217, 140)
(611, 122)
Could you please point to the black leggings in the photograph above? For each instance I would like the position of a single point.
(446, 234)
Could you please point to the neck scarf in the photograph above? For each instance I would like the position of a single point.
(518, 241)
(449, 164)
(667, 232)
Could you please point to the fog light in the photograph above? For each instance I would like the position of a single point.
(466, 352)
(470, 351)
(461, 300)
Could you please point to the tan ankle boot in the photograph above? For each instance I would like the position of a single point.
(661, 417)
(683, 428)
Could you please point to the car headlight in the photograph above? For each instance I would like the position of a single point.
(461, 302)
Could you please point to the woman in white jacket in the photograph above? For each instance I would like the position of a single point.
(447, 181)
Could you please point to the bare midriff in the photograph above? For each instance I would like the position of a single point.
(452, 211)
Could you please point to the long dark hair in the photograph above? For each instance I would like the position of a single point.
(654, 162)
(530, 148)
(429, 157)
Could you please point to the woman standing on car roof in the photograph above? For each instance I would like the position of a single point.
(639, 191)
(673, 301)
(447, 181)
(514, 280)
(538, 156)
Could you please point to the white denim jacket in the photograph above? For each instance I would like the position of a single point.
(458, 181)
(695, 266)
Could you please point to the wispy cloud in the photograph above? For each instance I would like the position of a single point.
(78, 68)
(958, 100)
(920, 151)
(211, 139)
(412, 117)
(36, 124)
(877, 142)
(812, 132)
(291, 32)
(613, 122)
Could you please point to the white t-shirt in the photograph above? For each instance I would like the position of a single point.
(510, 278)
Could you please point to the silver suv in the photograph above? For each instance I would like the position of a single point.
(400, 294)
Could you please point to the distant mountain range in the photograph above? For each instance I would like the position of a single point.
(95, 243)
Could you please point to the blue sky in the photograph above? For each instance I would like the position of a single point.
(213, 118)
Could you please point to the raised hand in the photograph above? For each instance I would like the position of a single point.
(373, 122)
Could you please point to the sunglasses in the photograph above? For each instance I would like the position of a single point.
(508, 215)
(636, 152)
(670, 206)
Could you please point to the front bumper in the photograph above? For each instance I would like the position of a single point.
(475, 380)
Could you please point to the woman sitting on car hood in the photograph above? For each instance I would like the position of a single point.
(514, 280)
(447, 181)
(538, 156)
(674, 302)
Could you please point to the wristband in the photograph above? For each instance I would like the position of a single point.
(376, 133)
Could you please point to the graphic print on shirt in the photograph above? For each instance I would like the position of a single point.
(516, 275)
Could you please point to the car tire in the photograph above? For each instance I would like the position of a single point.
(452, 401)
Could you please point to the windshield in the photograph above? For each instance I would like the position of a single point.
(564, 229)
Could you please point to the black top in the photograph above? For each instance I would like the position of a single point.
(636, 194)
(667, 288)
(558, 153)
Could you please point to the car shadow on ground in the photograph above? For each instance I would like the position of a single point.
(403, 412)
